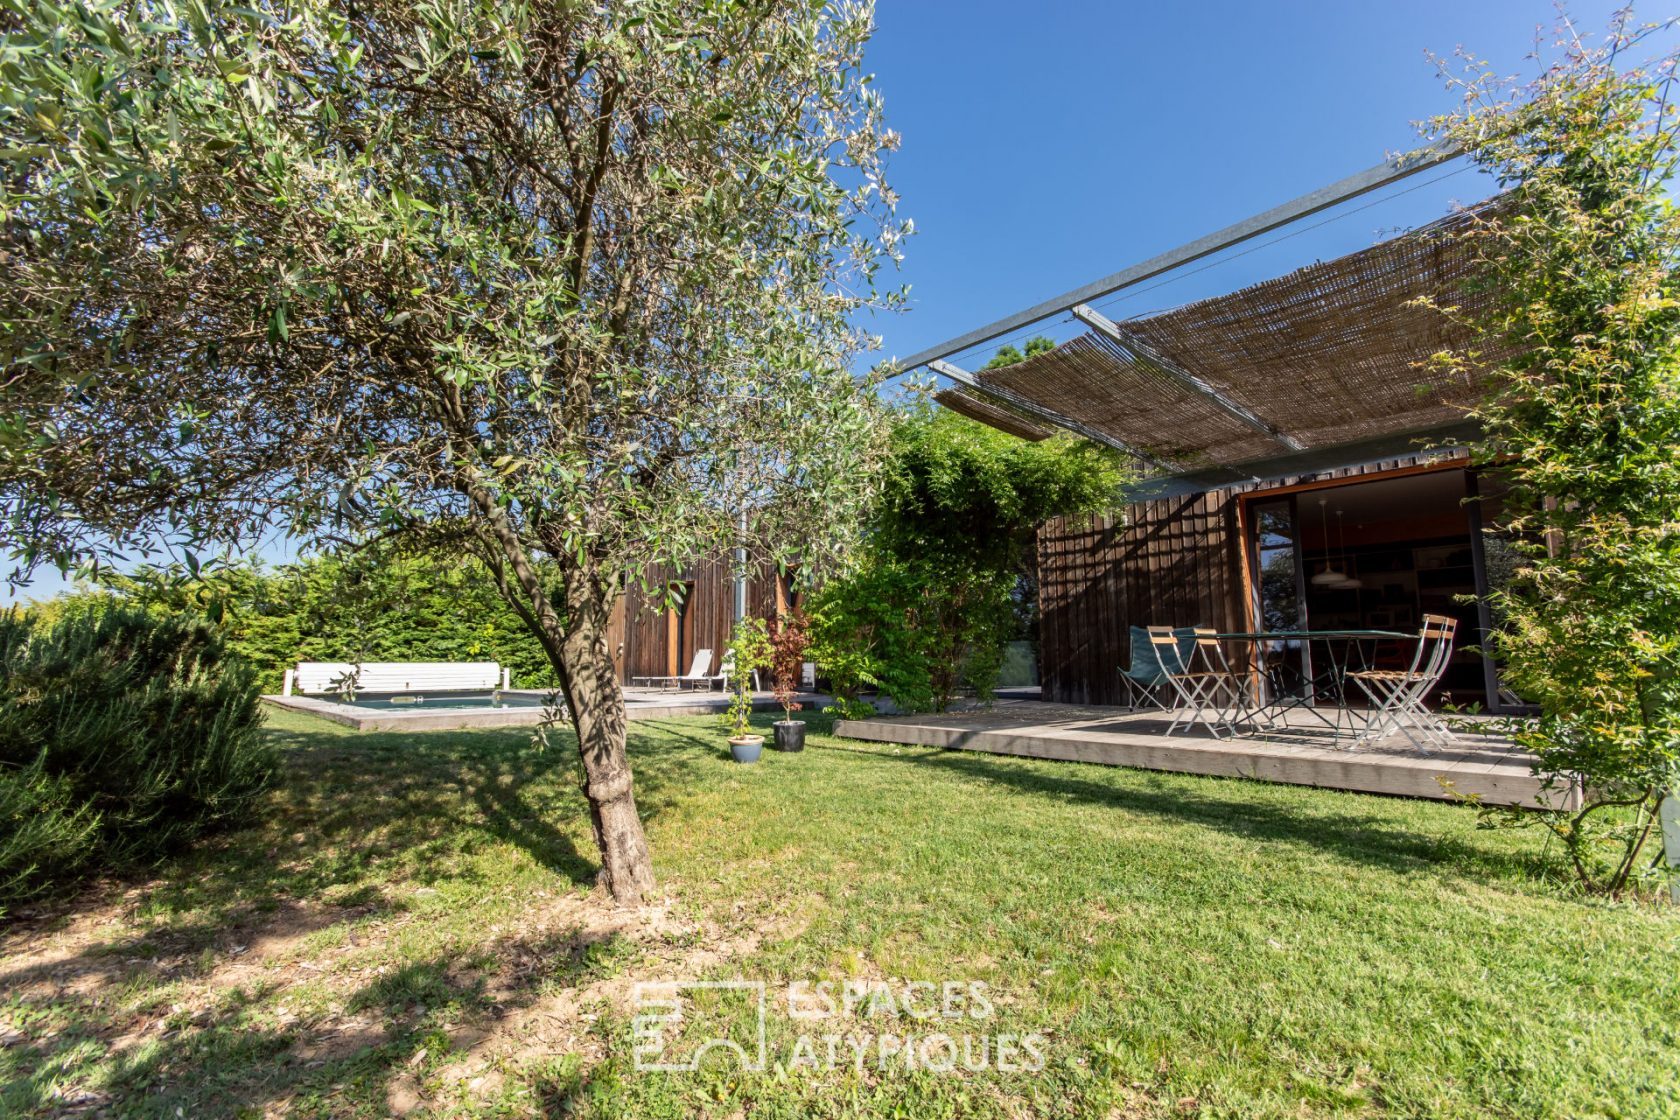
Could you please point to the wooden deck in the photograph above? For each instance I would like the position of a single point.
(1484, 767)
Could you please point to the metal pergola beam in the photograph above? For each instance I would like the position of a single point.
(1389, 171)
(1016, 401)
(1180, 376)
(1395, 445)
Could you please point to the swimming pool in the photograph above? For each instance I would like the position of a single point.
(520, 707)
(431, 701)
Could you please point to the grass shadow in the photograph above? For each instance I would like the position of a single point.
(397, 1029)
(1344, 833)
(356, 819)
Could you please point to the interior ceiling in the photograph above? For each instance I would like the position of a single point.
(1331, 356)
(1366, 504)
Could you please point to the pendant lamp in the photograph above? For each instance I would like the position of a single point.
(1347, 582)
(1330, 576)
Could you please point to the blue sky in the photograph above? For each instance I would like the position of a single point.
(1048, 145)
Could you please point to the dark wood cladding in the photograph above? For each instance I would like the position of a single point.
(650, 641)
(1171, 562)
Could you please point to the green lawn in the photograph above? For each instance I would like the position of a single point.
(412, 930)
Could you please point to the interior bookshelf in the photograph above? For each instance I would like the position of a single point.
(1400, 583)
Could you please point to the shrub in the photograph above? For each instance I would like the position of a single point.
(947, 576)
(787, 658)
(864, 636)
(1583, 422)
(45, 837)
(129, 734)
(378, 603)
(749, 652)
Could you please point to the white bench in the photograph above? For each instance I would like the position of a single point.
(398, 676)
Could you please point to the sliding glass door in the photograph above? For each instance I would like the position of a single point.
(1377, 553)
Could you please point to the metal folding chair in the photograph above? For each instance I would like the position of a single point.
(1210, 693)
(1399, 696)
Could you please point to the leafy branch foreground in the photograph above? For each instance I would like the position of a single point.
(572, 287)
(1584, 424)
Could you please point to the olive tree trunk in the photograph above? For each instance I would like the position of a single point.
(596, 703)
(577, 647)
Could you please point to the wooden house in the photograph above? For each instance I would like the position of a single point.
(1301, 454)
(1411, 534)
(650, 638)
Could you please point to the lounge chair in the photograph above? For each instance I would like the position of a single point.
(699, 670)
(315, 677)
(724, 672)
(698, 673)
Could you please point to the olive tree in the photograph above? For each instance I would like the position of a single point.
(572, 284)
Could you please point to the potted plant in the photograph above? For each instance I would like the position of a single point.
(787, 660)
(749, 651)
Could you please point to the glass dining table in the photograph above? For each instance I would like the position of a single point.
(1345, 651)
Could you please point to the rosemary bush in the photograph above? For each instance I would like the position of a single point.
(123, 736)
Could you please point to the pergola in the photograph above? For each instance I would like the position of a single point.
(1328, 366)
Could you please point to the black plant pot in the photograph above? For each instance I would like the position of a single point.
(790, 735)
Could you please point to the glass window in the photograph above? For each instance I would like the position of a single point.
(1278, 590)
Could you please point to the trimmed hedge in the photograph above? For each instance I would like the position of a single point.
(123, 736)
(375, 604)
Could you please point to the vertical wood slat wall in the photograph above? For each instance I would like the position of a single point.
(642, 634)
(1170, 562)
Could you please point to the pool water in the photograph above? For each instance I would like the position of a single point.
(428, 701)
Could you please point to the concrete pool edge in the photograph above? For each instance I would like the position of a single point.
(639, 704)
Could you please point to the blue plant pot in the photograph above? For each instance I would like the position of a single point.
(747, 748)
